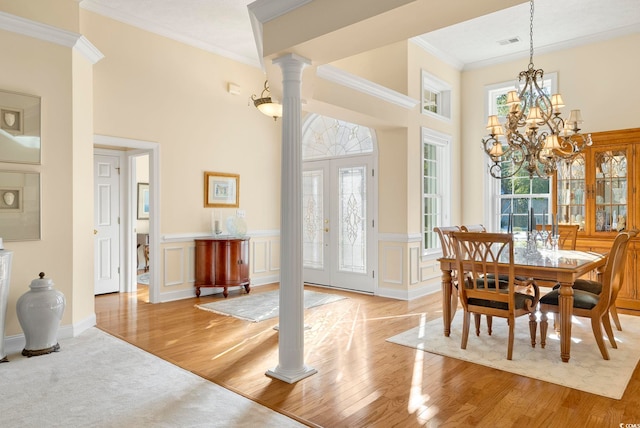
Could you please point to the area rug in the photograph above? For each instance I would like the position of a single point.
(97, 380)
(586, 370)
(143, 278)
(262, 306)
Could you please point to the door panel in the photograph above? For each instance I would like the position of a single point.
(106, 227)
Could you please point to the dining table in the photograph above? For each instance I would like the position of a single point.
(558, 266)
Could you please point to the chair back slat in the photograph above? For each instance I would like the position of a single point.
(613, 274)
(479, 255)
(473, 228)
(446, 240)
(567, 235)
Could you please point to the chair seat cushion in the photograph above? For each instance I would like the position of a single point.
(581, 299)
(521, 300)
(593, 287)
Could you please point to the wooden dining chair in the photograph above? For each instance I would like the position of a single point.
(595, 287)
(473, 228)
(478, 257)
(590, 305)
(448, 251)
(567, 235)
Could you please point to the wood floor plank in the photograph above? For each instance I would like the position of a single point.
(362, 380)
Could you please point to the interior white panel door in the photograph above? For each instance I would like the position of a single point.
(106, 227)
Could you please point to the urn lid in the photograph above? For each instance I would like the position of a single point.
(41, 282)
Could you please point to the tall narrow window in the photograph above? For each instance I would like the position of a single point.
(436, 179)
(518, 194)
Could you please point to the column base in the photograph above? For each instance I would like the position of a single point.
(291, 377)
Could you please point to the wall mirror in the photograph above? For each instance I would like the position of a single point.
(19, 128)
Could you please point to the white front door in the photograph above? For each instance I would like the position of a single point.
(338, 224)
(106, 227)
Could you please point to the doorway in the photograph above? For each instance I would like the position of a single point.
(131, 150)
(339, 194)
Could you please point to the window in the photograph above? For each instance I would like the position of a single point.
(436, 96)
(436, 179)
(518, 194)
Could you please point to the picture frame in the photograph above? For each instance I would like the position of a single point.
(221, 190)
(20, 128)
(143, 201)
(20, 206)
(11, 120)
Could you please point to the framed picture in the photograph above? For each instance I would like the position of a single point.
(143, 201)
(11, 120)
(221, 190)
(19, 206)
(19, 128)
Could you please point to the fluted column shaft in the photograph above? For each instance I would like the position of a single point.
(291, 367)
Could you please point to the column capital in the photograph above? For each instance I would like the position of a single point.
(291, 58)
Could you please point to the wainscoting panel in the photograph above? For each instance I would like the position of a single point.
(191, 263)
(414, 265)
(274, 255)
(392, 262)
(260, 256)
(174, 266)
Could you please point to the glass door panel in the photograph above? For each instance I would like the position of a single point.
(610, 190)
(313, 218)
(352, 215)
(572, 192)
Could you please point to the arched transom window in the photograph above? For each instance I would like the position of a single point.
(325, 137)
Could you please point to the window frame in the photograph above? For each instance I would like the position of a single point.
(442, 143)
(442, 89)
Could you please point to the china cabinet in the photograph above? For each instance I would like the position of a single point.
(222, 262)
(598, 191)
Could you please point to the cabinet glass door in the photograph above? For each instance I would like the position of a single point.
(572, 192)
(610, 190)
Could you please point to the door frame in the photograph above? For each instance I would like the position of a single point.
(128, 197)
(372, 195)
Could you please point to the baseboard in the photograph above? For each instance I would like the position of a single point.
(16, 343)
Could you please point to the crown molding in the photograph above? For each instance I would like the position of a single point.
(443, 56)
(51, 34)
(341, 77)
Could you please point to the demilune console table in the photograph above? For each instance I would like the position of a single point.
(222, 262)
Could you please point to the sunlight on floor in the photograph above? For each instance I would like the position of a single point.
(417, 400)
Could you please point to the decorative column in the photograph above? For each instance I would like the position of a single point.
(291, 367)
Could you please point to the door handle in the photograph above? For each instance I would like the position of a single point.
(95, 232)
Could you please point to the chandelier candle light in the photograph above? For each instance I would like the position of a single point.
(534, 135)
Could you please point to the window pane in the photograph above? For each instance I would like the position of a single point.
(522, 186)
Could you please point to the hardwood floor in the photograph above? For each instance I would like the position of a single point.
(362, 381)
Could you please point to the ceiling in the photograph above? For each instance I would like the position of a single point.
(223, 27)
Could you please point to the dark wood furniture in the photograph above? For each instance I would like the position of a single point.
(563, 267)
(222, 262)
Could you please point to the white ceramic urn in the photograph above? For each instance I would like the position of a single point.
(39, 312)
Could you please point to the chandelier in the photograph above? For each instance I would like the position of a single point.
(265, 104)
(534, 136)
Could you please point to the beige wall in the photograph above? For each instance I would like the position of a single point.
(44, 69)
(403, 272)
(597, 78)
(152, 88)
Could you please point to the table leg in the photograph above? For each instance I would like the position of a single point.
(565, 303)
(446, 301)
